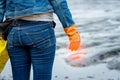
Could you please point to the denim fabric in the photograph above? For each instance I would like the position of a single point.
(19, 8)
(32, 43)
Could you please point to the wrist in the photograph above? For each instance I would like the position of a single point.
(71, 30)
(1, 36)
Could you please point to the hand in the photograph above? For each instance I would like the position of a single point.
(1, 36)
(74, 37)
(74, 45)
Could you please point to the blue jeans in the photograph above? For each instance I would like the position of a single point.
(32, 43)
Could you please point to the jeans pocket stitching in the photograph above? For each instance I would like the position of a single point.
(40, 38)
(10, 40)
(49, 44)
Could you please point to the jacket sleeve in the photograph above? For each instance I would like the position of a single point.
(2, 9)
(61, 9)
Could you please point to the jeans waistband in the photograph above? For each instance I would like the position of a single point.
(16, 22)
(20, 21)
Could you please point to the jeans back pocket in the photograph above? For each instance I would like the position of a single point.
(40, 38)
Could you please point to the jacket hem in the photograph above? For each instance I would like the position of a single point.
(26, 12)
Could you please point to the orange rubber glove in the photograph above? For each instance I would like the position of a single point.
(74, 37)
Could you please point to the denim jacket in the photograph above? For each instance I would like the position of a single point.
(18, 8)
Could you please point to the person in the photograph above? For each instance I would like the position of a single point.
(31, 41)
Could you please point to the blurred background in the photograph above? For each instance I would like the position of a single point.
(98, 22)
